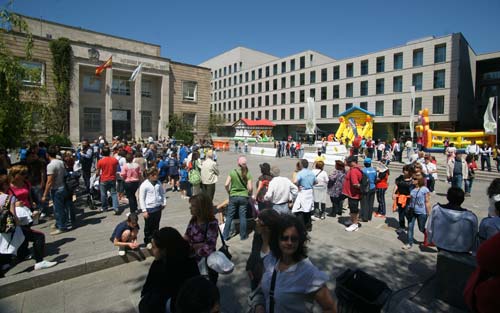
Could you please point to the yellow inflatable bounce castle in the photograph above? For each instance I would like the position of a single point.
(355, 123)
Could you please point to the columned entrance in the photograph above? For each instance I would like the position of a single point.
(122, 123)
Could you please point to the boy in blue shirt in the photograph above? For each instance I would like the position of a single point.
(368, 196)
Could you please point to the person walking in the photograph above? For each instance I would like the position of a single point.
(335, 183)
(131, 174)
(195, 166)
(471, 169)
(106, 170)
(419, 208)
(86, 160)
(209, 175)
(239, 187)
(457, 171)
(401, 195)
(368, 193)
(352, 190)
(485, 152)
(280, 191)
(152, 202)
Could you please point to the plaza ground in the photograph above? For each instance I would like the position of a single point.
(375, 248)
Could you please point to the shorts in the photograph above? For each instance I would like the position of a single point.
(184, 185)
(120, 186)
(174, 177)
(353, 205)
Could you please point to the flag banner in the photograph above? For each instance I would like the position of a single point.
(490, 122)
(311, 117)
(107, 64)
(135, 73)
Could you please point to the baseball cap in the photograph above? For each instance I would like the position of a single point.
(368, 161)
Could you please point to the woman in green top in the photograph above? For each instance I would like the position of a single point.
(239, 186)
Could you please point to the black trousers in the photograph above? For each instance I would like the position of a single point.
(305, 217)
(38, 240)
(209, 189)
(151, 224)
(367, 201)
(130, 189)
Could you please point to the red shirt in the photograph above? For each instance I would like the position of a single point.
(108, 166)
(353, 177)
(382, 183)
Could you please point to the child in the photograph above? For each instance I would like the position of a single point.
(125, 234)
(152, 201)
(184, 182)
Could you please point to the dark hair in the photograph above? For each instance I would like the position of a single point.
(494, 188)
(195, 156)
(455, 196)
(320, 165)
(129, 157)
(52, 151)
(138, 154)
(4, 181)
(171, 243)
(132, 218)
(105, 151)
(304, 163)
(269, 218)
(287, 221)
(205, 206)
(197, 295)
(151, 171)
(469, 158)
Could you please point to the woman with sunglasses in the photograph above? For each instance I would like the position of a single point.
(291, 283)
(419, 207)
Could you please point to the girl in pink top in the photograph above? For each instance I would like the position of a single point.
(131, 174)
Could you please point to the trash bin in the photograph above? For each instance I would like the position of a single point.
(358, 292)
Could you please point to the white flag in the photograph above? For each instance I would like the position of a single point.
(311, 117)
(490, 122)
(135, 73)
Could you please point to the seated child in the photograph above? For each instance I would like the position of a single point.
(125, 234)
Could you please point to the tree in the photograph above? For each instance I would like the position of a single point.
(215, 121)
(179, 129)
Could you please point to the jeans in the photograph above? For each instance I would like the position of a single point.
(130, 190)
(61, 207)
(37, 192)
(151, 224)
(236, 204)
(337, 205)
(110, 186)
(485, 159)
(456, 181)
(281, 208)
(468, 185)
(420, 219)
(381, 201)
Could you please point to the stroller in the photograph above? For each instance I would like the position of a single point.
(94, 196)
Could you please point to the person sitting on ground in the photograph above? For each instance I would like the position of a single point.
(491, 225)
(451, 227)
(171, 268)
(125, 234)
(198, 295)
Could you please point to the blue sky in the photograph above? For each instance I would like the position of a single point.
(194, 31)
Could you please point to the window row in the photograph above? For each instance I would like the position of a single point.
(93, 120)
(380, 83)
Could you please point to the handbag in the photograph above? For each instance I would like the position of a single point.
(220, 261)
(410, 209)
(194, 175)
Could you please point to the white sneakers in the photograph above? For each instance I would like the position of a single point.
(353, 227)
(314, 218)
(121, 252)
(149, 246)
(44, 264)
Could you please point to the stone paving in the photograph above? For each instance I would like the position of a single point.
(375, 248)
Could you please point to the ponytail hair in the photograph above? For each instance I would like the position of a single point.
(244, 172)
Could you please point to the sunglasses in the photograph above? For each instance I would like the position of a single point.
(289, 238)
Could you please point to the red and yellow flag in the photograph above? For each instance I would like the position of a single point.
(101, 68)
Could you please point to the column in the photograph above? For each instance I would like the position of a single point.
(108, 106)
(138, 106)
(74, 108)
(164, 106)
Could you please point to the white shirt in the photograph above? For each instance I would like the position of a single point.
(150, 196)
(321, 177)
(279, 190)
(381, 147)
(432, 168)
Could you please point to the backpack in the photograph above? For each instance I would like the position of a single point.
(263, 190)
(194, 175)
(7, 222)
(71, 181)
(365, 182)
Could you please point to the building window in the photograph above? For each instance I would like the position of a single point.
(253, 75)
(312, 77)
(324, 75)
(364, 105)
(292, 65)
(283, 114)
(418, 57)
(379, 88)
(292, 97)
(302, 62)
(336, 72)
(246, 90)
(398, 61)
(439, 79)
(275, 69)
(364, 67)
(241, 104)
(283, 67)
(246, 77)
(275, 99)
(246, 103)
(379, 108)
(349, 72)
(438, 105)
(417, 81)
(292, 113)
(283, 98)
(275, 115)
(121, 86)
(252, 103)
(146, 121)
(397, 84)
(92, 119)
(396, 107)
(348, 90)
(266, 114)
(335, 110)
(91, 83)
(267, 71)
(253, 115)
(267, 100)
(380, 64)
(323, 93)
(283, 82)
(312, 93)
(336, 93)
(301, 113)
(302, 79)
(275, 84)
(440, 53)
(259, 87)
(259, 116)
(292, 81)
(259, 101)
(252, 88)
(146, 88)
(418, 105)
(302, 97)
(323, 111)
(260, 73)
(348, 106)
(225, 71)
(363, 90)
(246, 114)
(267, 85)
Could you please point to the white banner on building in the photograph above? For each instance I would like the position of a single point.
(263, 151)
(490, 122)
(311, 117)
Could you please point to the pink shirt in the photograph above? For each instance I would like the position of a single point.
(131, 172)
(21, 193)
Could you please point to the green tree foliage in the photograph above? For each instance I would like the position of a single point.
(215, 121)
(179, 129)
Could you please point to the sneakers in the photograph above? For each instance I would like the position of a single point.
(56, 232)
(353, 227)
(379, 215)
(121, 251)
(149, 246)
(44, 264)
(400, 230)
(53, 226)
(406, 247)
(315, 218)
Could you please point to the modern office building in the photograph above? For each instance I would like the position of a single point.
(449, 78)
(111, 104)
